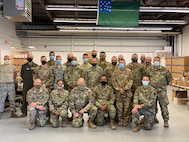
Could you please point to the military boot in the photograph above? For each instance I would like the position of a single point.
(112, 126)
(64, 124)
(142, 121)
(120, 123)
(156, 120)
(166, 124)
(31, 126)
(14, 115)
(136, 128)
(91, 124)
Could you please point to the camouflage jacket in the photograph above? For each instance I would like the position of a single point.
(44, 73)
(80, 99)
(109, 73)
(138, 72)
(58, 100)
(145, 97)
(41, 97)
(159, 77)
(103, 95)
(105, 65)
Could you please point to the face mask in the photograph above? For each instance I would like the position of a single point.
(29, 59)
(69, 59)
(148, 63)
(102, 58)
(51, 57)
(7, 62)
(142, 59)
(94, 64)
(134, 59)
(94, 56)
(103, 82)
(145, 83)
(43, 62)
(74, 63)
(60, 87)
(81, 86)
(121, 66)
(58, 62)
(156, 63)
(114, 63)
(85, 60)
(37, 86)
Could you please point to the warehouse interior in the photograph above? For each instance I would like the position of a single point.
(69, 26)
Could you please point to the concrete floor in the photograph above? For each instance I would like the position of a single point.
(15, 130)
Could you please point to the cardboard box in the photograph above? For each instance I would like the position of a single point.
(174, 82)
(179, 94)
(181, 101)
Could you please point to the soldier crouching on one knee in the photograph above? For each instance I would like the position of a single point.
(58, 105)
(37, 98)
(144, 104)
(80, 101)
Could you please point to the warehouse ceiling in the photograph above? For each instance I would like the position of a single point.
(79, 17)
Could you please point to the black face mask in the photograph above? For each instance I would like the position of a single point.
(29, 59)
(43, 62)
(114, 63)
(103, 82)
(69, 59)
(142, 59)
(94, 64)
(94, 56)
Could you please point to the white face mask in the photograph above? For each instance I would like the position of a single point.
(7, 62)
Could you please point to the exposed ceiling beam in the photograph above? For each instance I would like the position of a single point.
(44, 8)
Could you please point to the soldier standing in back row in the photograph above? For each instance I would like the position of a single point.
(102, 61)
(27, 72)
(51, 62)
(160, 77)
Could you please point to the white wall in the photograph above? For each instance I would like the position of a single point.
(185, 42)
(7, 33)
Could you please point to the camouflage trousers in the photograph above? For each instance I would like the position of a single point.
(123, 108)
(54, 119)
(7, 89)
(100, 114)
(163, 103)
(37, 116)
(148, 118)
(78, 122)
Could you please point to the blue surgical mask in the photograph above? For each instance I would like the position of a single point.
(58, 62)
(145, 83)
(74, 63)
(85, 59)
(121, 66)
(51, 57)
(156, 63)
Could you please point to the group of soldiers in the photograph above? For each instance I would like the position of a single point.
(106, 91)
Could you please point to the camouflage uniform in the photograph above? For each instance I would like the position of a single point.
(104, 96)
(71, 76)
(109, 71)
(41, 98)
(85, 67)
(92, 76)
(123, 79)
(138, 71)
(58, 101)
(67, 64)
(159, 79)
(78, 100)
(58, 72)
(51, 63)
(147, 98)
(7, 86)
(44, 73)
(105, 65)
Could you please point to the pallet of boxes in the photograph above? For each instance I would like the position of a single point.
(179, 66)
(186, 76)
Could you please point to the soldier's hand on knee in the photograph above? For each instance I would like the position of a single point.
(57, 112)
(134, 110)
(82, 111)
(40, 107)
(32, 105)
(76, 114)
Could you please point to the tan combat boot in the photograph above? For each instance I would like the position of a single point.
(112, 126)
(91, 124)
(120, 123)
(136, 128)
(166, 124)
(14, 115)
(31, 126)
(64, 124)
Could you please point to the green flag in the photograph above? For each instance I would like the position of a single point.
(118, 13)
